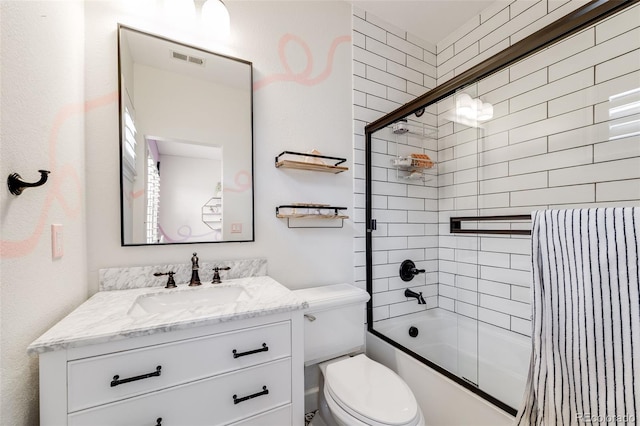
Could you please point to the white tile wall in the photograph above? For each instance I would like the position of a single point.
(548, 146)
(392, 67)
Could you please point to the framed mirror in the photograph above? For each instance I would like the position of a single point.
(186, 143)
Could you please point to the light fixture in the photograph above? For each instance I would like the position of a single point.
(486, 113)
(215, 19)
(472, 110)
(464, 105)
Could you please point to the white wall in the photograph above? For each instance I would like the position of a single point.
(41, 127)
(183, 195)
(309, 111)
(1, 228)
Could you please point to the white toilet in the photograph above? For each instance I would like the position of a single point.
(353, 390)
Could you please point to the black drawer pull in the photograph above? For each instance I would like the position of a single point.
(159, 421)
(118, 381)
(264, 348)
(237, 400)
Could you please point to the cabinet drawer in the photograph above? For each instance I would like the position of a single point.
(278, 417)
(205, 402)
(92, 381)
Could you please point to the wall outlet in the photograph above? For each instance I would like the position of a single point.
(57, 242)
(236, 228)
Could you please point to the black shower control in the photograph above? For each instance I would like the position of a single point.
(408, 270)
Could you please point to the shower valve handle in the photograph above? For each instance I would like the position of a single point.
(408, 270)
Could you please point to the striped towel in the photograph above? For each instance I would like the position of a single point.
(585, 364)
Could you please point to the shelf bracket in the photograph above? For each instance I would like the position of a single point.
(335, 216)
(314, 227)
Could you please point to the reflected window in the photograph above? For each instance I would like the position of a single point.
(129, 147)
(153, 199)
(624, 113)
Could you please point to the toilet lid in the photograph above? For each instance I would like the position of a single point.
(371, 391)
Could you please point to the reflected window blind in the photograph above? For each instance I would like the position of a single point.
(153, 200)
(129, 145)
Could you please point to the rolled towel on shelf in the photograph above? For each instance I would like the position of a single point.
(421, 160)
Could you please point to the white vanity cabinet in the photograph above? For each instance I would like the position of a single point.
(243, 372)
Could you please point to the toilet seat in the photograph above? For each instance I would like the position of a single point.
(370, 393)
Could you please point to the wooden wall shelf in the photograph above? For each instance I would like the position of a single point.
(307, 165)
(290, 212)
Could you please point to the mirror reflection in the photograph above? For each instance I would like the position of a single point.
(186, 143)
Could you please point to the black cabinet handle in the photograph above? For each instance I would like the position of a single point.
(237, 354)
(159, 421)
(118, 381)
(237, 400)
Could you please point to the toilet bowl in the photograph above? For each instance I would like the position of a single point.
(353, 390)
(359, 391)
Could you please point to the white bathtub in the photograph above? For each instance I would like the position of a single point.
(495, 359)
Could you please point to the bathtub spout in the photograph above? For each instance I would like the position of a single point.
(409, 293)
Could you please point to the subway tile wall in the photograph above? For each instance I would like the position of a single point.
(552, 143)
(564, 135)
(392, 67)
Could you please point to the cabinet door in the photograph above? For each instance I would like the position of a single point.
(91, 379)
(218, 400)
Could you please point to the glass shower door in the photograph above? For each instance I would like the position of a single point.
(404, 207)
(434, 314)
(458, 140)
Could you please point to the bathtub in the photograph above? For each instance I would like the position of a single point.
(495, 359)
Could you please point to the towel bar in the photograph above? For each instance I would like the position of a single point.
(455, 225)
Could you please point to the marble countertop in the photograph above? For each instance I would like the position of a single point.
(108, 315)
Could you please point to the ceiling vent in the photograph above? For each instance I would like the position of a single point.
(187, 58)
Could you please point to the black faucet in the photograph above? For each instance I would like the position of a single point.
(216, 275)
(409, 293)
(195, 277)
(171, 283)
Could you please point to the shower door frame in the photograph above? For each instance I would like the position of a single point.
(581, 18)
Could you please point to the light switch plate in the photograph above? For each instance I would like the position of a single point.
(57, 242)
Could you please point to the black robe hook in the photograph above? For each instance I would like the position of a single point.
(16, 184)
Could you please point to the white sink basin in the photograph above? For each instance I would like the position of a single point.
(190, 299)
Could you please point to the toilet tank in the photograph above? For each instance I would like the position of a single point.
(334, 321)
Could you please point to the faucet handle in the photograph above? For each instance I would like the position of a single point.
(216, 275)
(408, 270)
(171, 283)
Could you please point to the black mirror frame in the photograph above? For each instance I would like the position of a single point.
(121, 147)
